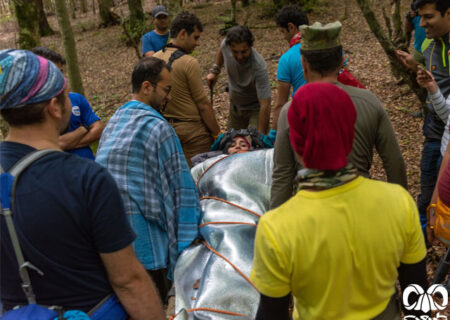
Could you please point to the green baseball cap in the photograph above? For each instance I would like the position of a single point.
(319, 37)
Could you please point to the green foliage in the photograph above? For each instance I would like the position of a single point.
(6, 18)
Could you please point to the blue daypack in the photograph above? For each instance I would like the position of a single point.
(32, 311)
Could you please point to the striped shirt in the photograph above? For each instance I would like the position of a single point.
(142, 152)
(442, 109)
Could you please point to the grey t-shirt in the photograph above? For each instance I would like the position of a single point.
(247, 82)
(372, 128)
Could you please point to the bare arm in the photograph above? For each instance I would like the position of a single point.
(94, 134)
(149, 54)
(208, 117)
(211, 78)
(70, 140)
(264, 115)
(133, 285)
(282, 97)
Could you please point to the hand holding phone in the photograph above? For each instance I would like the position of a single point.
(426, 80)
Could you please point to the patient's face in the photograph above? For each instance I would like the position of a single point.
(238, 144)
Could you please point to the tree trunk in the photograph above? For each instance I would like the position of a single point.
(106, 18)
(72, 9)
(83, 6)
(27, 14)
(44, 27)
(388, 46)
(69, 47)
(137, 19)
(49, 6)
(233, 11)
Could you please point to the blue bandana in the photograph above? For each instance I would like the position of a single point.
(26, 78)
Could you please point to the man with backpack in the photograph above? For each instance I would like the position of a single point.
(189, 111)
(67, 213)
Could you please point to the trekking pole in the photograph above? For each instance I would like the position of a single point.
(442, 268)
(211, 93)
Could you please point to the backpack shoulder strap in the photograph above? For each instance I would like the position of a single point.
(174, 56)
(23, 164)
(8, 183)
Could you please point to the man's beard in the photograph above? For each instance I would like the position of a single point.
(160, 107)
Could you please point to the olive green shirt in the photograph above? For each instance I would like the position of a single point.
(372, 128)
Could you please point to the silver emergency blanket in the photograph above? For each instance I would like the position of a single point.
(203, 279)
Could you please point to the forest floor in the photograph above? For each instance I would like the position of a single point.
(106, 65)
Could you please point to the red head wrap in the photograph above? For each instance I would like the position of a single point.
(321, 125)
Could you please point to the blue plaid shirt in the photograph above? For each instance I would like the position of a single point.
(142, 152)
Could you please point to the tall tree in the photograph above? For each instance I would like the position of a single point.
(395, 39)
(83, 6)
(69, 46)
(106, 16)
(136, 14)
(27, 14)
(49, 6)
(134, 26)
(72, 9)
(233, 11)
(44, 27)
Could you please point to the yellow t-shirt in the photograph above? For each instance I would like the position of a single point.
(187, 87)
(338, 250)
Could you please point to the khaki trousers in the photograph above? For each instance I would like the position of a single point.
(392, 311)
(195, 138)
(242, 119)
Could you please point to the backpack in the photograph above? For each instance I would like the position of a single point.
(175, 55)
(32, 311)
(440, 221)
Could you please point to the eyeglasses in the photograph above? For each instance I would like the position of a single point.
(166, 89)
